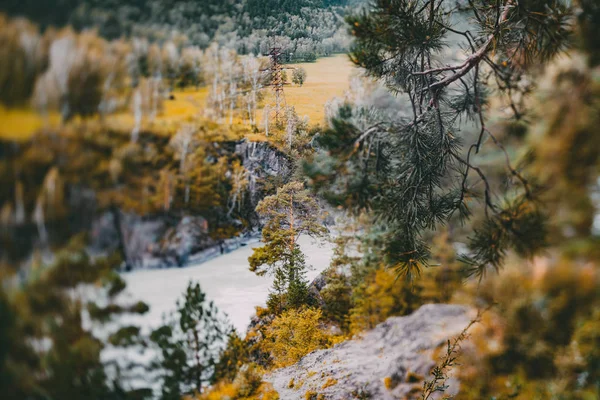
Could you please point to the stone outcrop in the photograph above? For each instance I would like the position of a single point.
(261, 160)
(388, 362)
(152, 241)
(170, 240)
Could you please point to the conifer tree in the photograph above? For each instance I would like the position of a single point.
(412, 172)
(46, 351)
(231, 359)
(189, 345)
(288, 214)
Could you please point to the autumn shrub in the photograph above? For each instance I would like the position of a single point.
(247, 385)
(587, 348)
(294, 334)
(299, 76)
(360, 293)
(382, 296)
(545, 324)
(248, 381)
(231, 359)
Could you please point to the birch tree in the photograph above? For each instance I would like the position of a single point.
(239, 185)
(252, 75)
(171, 60)
(291, 126)
(183, 143)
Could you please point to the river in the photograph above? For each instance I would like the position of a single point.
(226, 281)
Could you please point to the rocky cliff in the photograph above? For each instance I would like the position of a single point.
(173, 239)
(161, 239)
(388, 362)
(262, 161)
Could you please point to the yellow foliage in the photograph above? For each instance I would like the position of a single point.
(261, 311)
(248, 385)
(530, 345)
(20, 124)
(330, 382)
(221, 391)
(230, 391)
(310, 395)
(294, 334)
(382, 296)
(387, 382)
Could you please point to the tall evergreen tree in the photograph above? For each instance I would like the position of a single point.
(288, 214)
(189, 345)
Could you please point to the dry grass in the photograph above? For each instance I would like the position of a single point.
(327, 78)
(20, 124)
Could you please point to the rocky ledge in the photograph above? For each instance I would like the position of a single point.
(388, 362)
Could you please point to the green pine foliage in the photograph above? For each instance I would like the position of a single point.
(189, 345)
(46, 350)
(418, 171)
(288, 214)
(231, 359)
(306, 28)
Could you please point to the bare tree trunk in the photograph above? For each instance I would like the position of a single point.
(291, 218)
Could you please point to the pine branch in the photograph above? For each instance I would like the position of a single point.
(474, 59)
(440, 372)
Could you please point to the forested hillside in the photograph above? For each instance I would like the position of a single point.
(306, 28)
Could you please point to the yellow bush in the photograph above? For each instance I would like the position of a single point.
(248, 385)
(380, 297)
(221, 392)
(387, 382)
(294, 334)
(310, 395)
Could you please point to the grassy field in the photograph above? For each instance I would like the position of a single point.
(19, 124)
(327, 78)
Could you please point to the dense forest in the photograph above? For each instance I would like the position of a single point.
(454, 177)
(307, 28)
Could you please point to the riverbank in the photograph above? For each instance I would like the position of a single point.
(225, 279)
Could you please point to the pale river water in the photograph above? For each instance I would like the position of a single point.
(226, 280)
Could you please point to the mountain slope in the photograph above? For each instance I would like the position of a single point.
(200, 20)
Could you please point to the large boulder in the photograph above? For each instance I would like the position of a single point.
(152, 241)
(189, 236)
(388, 362)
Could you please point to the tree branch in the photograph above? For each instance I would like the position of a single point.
(474, 59)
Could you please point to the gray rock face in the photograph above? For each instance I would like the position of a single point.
(261, 160)
(152, 242)
(388, 362)
(159, 241)
(188, 237)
